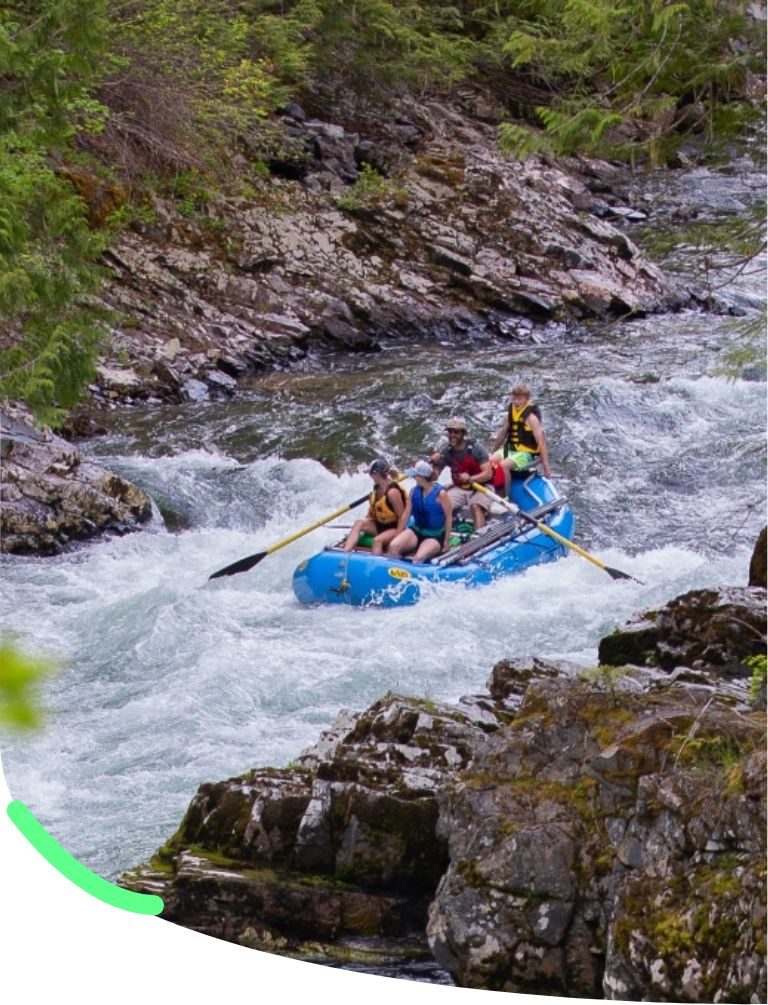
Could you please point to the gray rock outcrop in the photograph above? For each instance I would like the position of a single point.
(722, 628)
(339, 847)
(451, 236)
(591, 833)
(51, 496)
(609, 843)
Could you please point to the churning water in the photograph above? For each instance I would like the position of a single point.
(166, 680)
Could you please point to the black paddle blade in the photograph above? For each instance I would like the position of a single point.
(243, 565)
(618, 574)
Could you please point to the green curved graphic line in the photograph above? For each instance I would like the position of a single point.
(51, 850)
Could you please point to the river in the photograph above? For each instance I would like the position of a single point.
(165, 680)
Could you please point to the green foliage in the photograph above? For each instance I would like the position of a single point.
(47, 270)
(166, 92)
(49, 335)
(378, 44)
(19, 676)
(707, 751)
(189, 79)
(757, 682)
(628, 79)
(50, 54)
(370, 190)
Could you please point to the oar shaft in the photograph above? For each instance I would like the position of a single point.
(244, 564)
(542, 526)
(315, 525)
(322, 520)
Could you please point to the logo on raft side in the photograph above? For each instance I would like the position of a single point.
(399, 573)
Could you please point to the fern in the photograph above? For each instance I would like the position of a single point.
(665, 13)
(522, 141)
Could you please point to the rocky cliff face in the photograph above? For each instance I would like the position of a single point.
(596, 833)
(614, 834)
(449, 236)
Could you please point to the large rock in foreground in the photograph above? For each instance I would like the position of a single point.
(590, 833)
(51, 496)
(610, 842)
(334, 858)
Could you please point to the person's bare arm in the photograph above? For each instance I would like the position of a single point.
(397, 503)
(438, 460)
(541, 442)
(445, 502)
(404, 516)
(500, 436)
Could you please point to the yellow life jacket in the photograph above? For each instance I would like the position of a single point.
(519, 433)
(379, 508)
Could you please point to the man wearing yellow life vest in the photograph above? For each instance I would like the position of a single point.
(522, 437)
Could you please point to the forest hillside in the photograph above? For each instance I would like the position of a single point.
(104, 108)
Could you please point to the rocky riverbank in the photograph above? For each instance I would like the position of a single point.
(52, 497)
(413, 222)
(591, 833)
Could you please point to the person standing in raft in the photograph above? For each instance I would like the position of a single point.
(428, 516)
(522, 437)
(469, 462)
(386, 509)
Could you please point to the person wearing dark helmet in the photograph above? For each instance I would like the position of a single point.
(428, 516)
(469, 462)
(386, 508)
(521, 436)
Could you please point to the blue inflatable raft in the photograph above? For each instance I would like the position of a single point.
(506, 545)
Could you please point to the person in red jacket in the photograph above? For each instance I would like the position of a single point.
(469, 462)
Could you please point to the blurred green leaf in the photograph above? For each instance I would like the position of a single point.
(20, 675)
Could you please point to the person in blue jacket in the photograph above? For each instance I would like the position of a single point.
(428, 516)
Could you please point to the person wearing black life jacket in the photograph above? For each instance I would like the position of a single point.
(428, 516)
(386, 507)
(469, 462)
(521, 438)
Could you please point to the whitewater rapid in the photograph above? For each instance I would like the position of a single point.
(165, 680)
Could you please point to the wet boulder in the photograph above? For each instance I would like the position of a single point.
(53, 496)
(340, 845)
(609, 843)
(703, 628)
(757, 565)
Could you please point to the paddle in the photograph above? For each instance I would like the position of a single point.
(244, 564)
(613, 573)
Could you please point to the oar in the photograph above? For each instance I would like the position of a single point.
(244, 564)
(613, 573)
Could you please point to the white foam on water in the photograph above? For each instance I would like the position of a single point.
(167, 680)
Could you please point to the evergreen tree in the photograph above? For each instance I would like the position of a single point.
(632, 79)
(50, 53)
